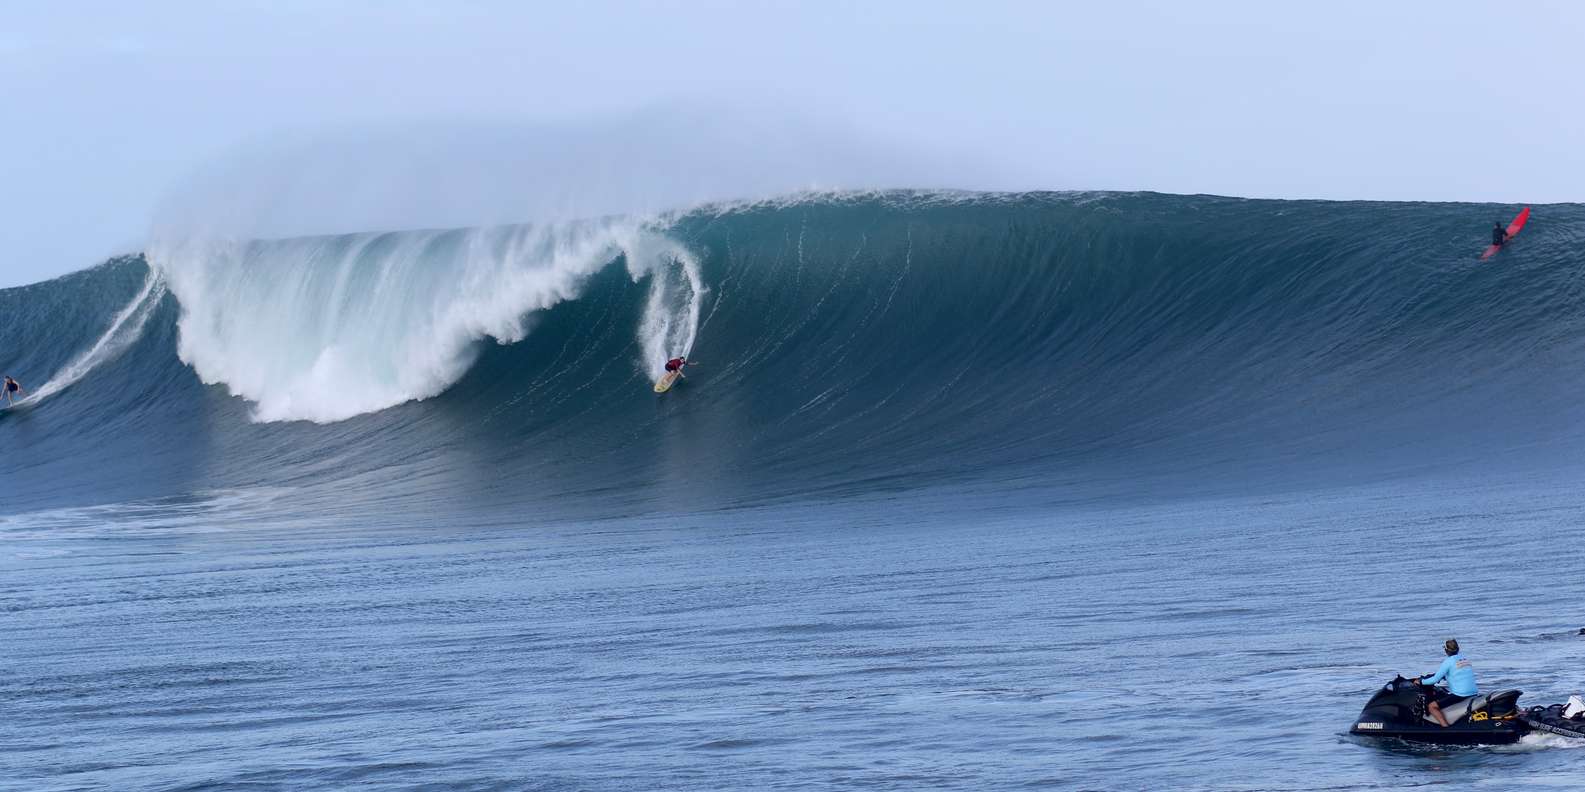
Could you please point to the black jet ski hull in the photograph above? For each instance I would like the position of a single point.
(1550, 719)
(1398, 710)
(1497, 732)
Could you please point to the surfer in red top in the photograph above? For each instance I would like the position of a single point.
(676, 364)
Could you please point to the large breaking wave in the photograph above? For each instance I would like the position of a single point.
(326, 328)
(1056, 344)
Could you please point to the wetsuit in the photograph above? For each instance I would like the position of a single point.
(1460, 676)
(12, 386)
(1499, 235)
(675, 364)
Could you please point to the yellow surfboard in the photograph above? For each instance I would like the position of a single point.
(666, 381)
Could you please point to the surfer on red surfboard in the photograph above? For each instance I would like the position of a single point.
(1500, 235)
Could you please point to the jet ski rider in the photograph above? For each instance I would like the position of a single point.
(1460, 676)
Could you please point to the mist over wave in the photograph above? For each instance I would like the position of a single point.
(854, 344)
(659, 160)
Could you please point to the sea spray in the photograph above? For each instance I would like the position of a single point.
(125, 329)
(326, 328)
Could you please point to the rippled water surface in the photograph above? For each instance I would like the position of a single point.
(951, 641)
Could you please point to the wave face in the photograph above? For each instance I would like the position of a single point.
(1055, 344)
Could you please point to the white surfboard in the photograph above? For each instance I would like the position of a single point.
(666, 381)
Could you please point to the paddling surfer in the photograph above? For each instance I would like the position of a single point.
(1499, 235)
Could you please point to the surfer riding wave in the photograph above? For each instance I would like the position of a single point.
(12, 389)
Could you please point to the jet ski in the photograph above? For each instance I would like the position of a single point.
(1398, 710)
(1567, 720)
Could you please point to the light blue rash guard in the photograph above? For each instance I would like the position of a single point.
(1460, 676)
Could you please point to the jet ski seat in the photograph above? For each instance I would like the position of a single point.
(1498, 705)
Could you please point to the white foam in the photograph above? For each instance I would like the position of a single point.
(326, 328)
(670, 323)
(1542, 741)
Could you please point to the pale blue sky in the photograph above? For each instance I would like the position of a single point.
(110, 106)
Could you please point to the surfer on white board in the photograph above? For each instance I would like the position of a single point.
(13, 389)
(676, 364)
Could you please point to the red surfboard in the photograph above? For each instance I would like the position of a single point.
(1513, 229)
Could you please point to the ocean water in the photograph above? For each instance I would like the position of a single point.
(1099, 491)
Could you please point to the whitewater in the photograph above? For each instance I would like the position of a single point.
(322, 329)
(972, 490)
